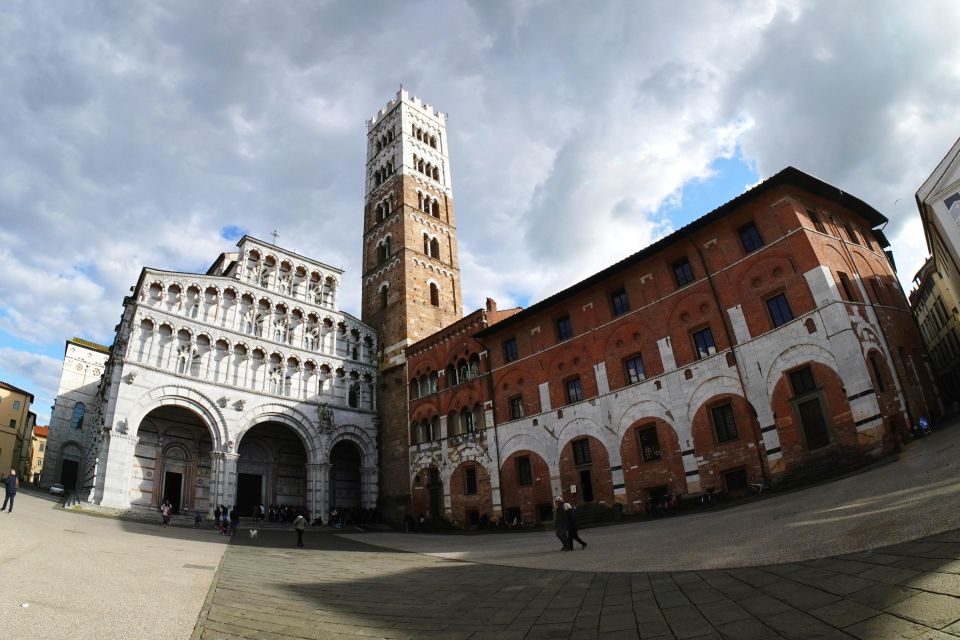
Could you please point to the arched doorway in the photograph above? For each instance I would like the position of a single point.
(70, 456)
(172, 461)
(345, 487)
(271, 469)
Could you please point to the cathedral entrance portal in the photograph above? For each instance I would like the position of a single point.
(172, 461)
(173, 489)
(249, 492)
(68, 474)
(272, 468)
(345, 475)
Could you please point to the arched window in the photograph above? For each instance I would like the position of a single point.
(420, 201)
(433, 381)
(76, 420)
(453, 424)
(450, 373)
(474, 366)
(466, 420)
(383, 250)
(436, 173)
(426, 244)
(353, 395)
(434, 294)
(435, 209)
(435, 248)
(433, 141)
(384, 290)
(414, 389)
(463, 372)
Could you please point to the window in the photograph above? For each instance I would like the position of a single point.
(434, 294)
(875, 286)
(873, 363)
(649, 444)
(581, 451)
(779, 308)
(466, 421)
(470, 478)
(384, 290)
(13, 424)
(516, 407)
(817, 222)
(620, 302)
(16, 405)
(703, 343)
(846, 287)
(750, 237)
(634, 367)
(802, 381)
(683, 272)
(42, 445)
(574, 390)
(723, 423)
(76, 420)
(510, 352)
(851, 233)
(564, 328)
(524, 472)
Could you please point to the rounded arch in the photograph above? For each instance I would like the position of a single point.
(712, 386)
(646, 408)
(178, 396)
(353, 433)
(275, 412)
(793, 355)
(529, 442)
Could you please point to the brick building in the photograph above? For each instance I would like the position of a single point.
(768, 338)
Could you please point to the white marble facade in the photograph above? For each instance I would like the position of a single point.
(254, 347)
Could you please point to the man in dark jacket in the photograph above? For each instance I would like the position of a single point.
(560, 522)
(10, 486)
(572, 527)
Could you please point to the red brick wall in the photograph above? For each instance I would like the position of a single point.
(601, 477)
(526, 498)
(720, 457)
(639, 476)
(461, 503)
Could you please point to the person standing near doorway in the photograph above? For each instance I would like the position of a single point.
(560, 522)
(10, 486)
(571, 514)
(299, 524)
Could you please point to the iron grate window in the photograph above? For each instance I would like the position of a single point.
(470, 480)
(649, 443)
(564, 328)
(524, 471)
(516, 407)
(724, 423)
(802, 381)
(581, 452)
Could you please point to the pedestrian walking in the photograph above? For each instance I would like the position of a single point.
(165, 511)
(196, 519)
(216, 517)
(234, 520)
(571, 515)
(560, 522)
(10, 486)
(299, 524)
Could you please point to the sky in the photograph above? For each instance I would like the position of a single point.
(155, 134)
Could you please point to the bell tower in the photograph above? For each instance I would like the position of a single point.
(411, 270)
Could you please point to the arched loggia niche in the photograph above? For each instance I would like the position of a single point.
(272, 468)
(345, 480)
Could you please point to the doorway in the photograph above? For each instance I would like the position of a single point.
(814, 426)
(173, 489)
(434, 488)
(68, 474)
(249, 492)
(586, 486)
(345, 475)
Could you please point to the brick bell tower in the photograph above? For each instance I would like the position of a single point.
(411, 271)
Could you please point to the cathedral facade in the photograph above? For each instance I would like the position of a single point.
(239, 386)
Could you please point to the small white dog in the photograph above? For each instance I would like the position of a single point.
(253, 534)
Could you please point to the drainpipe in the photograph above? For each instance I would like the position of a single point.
(758, 439)
(496, 436)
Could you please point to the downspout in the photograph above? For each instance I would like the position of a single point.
(496, 436)
(761, 449)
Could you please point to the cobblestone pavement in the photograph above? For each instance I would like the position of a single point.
(339, 587)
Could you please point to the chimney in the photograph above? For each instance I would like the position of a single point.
(491, 305)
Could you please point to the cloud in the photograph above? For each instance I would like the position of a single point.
(37, 373)
(157, 135)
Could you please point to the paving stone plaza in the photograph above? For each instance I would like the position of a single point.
(872, 556)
